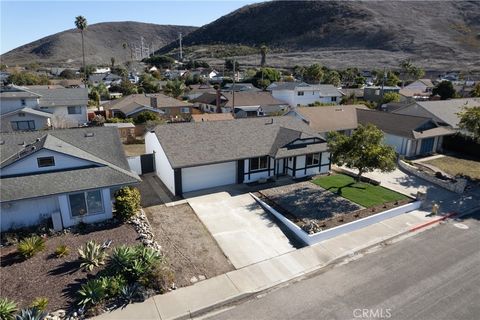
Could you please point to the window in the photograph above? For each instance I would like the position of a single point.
(84, 203)
(185, 110)
(300, 93)
(334, 99)
(24, 102)
(45, 162)
(21, 114)
(23, 125)
(43, 108)
(259, 163)
(313, 159)
(75, 110)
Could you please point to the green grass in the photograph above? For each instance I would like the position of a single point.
(364, 194)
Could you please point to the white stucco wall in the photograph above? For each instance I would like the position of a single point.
(293, 99)
(135, 164)
(29, 164)
(163, 168)
(61, 118)
(399, 143)
(40, 122)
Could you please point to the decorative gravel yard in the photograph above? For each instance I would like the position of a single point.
(365, 194)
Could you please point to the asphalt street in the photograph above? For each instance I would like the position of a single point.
(432, 275)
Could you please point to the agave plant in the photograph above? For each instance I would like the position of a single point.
(40, 303)
(91, 293)
(113, 285)
(62, 251)
(29, 246)
(31, 314)
(7, 309)
(92, 256)
(121, 259)
(130, 292)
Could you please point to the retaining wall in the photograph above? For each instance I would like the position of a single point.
(310, 239)
(457, 187)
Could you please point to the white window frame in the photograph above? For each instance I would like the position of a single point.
(88, 213)
(77, 109)
(314, 159)
(259, 162)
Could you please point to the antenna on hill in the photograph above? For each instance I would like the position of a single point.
(180, 42)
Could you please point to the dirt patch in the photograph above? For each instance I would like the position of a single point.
(189, 247)
(57, 279)
(132, 150)
(457, 166)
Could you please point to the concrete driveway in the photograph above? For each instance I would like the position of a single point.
(242, 229)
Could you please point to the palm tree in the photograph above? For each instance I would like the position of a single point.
(125, 46)
(263, 52)
(112, 61)
(81, 24)
(174, 88)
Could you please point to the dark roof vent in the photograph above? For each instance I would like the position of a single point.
(89, 134)
(38, 139)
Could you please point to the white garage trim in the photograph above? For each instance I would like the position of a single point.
(203, 177)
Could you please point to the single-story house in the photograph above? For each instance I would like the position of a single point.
(130, 106)
(125, 129)
(341, 118)
(196, 90)
(66, 175)
(375, 93)
(444, 112)
(302, 94)
(212, 117)
(26, 108)
(199, 155)
(411, 136)
(244, 103)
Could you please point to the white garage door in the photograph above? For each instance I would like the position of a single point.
(214, 175)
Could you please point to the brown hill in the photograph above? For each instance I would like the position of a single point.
(422, 29)
(102, 41)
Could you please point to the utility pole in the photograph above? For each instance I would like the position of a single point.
(233, 89)
(180, 42)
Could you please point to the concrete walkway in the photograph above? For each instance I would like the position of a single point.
(206, 295)
(242, 229)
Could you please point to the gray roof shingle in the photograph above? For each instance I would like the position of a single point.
(103, 149)
(201, 143)
(61, 96)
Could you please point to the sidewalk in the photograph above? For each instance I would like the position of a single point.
(215, 292)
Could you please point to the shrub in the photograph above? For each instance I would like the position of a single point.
(160, 278)
(121, 259)
(92, 256)
(130, 292)
(40, 303)
(91, 293)
(7, 309)
(62, 251)
(28, 247)
(113, 285)
(127, 202)
(31, 314)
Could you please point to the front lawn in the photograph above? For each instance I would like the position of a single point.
(364, 194)
(455, 166)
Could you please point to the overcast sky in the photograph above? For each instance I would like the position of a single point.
(26, 21)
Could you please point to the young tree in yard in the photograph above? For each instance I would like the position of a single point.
(148, 83)
(229, 65)
(391, 97)
(81, 24)
(333, 77)
(174, 88)
(364, 150)
(470, 121)
(476, 91)
(444, 89)
(409, 71)
(314, 73)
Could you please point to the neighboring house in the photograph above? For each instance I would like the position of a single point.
(64, 175)
(421, 85)
(130, 106)
(174, 74)
(125, 129)
(342, 118)
(196, 90)
(444, 112)
(39, 107)
(244, 103)
(411, 136)
(200, 155)
(303, 94)
(212, 117)
(376, 93)
(106, 78)
(420, 89)
(229, 87)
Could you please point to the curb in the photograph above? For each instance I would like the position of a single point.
(426, 224)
